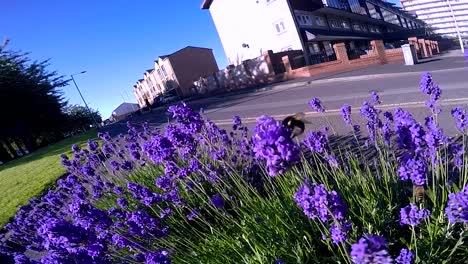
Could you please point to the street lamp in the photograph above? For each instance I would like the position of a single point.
(456, 27)
(84, 101)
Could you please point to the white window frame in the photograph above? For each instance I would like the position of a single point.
(279, 27)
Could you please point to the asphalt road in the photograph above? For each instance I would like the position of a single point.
(397, 89)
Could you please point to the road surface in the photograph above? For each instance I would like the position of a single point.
(397, 89)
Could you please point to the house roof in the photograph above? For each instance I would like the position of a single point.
(125, 108)
(206, 4)
(150, 70)
(188, 47)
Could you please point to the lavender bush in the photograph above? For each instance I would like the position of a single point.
(195, 193)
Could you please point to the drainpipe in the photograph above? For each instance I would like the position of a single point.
(305, 47)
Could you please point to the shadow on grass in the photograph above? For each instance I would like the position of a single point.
(55, 149)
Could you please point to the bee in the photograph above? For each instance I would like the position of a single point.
(418, 193)
(296, 123)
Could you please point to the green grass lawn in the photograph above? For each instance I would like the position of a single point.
(31, 175)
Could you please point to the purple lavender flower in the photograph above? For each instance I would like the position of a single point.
(370, 249)
(236, 122)
(186, 118)
(160, 256)
(412, 215)
(457, 207)
(127, 165)
(164, 183)
(332, 161)
(457, 151)
(217, 201)
(76, 148)
(193, 214)
(459, 114)
(115, 165)
(339, 232)
(406, 256)
(317, 202)
(316, 104)
(414, 169)
(375, 97)
(388, 116)
(371, 114)
(316, 141)
(122, 202)
(430, 88)
(88, 171)
(22, 259)
(159, 149)
(346, 114)
(93, 145)
(272, 143)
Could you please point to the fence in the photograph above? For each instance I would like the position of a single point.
(321, 57)
(354, 54)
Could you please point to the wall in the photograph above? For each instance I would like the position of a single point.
(247, 74)
(189, 64)
(395, 55)
(252, 22)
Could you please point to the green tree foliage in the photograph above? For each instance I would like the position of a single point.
(80, 119)
(30, 102)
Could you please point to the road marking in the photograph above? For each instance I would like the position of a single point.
(333, 112)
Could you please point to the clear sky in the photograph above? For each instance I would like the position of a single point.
(115, 41)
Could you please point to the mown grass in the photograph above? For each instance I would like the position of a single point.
(31, 175)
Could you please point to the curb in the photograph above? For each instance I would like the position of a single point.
(360, 77)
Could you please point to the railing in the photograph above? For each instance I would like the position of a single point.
(322, 57)
(354, 54)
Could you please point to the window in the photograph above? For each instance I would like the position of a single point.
(160, 74)
(304, 20)
(163, 71)
(334, 23)
(280, 28)
(339, 23)
(320, 21)
(344, 24)
(269, 1)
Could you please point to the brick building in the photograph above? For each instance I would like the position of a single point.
(174, 74)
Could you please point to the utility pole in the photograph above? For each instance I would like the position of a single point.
(84, 101)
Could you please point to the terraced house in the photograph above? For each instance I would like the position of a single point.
(248, 28)
(174, 74)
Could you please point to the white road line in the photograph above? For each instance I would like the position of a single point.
(332, 112)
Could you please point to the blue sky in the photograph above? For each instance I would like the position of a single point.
(115, 41)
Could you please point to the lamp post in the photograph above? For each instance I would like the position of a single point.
(456, 27)
(84, 101)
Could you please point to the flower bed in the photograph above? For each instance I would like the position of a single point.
(195, 193)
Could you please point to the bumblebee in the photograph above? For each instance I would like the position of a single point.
(296, 123)
(419, 192)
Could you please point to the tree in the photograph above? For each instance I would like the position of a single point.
(79, 118)
(30, 102)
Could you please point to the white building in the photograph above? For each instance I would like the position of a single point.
(442, 15)
(123, 111)
(249, 27)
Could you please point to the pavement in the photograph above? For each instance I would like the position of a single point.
(397, 85)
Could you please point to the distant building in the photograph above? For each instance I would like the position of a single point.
(248, 28)
(123, 111)
(174, 74)
(442, 15)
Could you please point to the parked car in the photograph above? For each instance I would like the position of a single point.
(170, 99)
